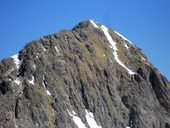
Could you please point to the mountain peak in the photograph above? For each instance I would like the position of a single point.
(86, 24)
(87, 77)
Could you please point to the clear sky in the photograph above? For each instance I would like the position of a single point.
(146, 23)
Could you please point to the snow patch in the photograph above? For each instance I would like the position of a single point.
(76, 119)
(123, 37)
(16, 60)
(104, 55)
(34, 66)
(143, 58)
(126, 46)
(94, 24)
(44, 48)
(31, 81)
(91, 121)
(57, 49)
(127, 127)
(113, 46)
(48, 93)
(36, 125)
(17, 81)
(73, 112)
(43, 83)
(89, 118)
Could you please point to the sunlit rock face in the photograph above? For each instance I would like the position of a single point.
(87, 77)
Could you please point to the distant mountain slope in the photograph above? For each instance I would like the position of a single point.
(87, 77)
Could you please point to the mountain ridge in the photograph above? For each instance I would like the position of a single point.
(89, 76)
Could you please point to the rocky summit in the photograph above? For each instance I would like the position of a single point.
(87, 77)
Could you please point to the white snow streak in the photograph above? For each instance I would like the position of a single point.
(127, 127)
(17, 81)
(31, 81)
(57, 49)
(123, 37)
(109, 38)
(113, 45)
(16, 60)
(94, 24)
(76, 120)
(90, 120)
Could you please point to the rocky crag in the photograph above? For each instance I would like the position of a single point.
(87, 77)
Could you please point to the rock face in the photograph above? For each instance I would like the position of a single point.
(87, 77)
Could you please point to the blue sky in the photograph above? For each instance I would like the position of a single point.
(146, 23)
